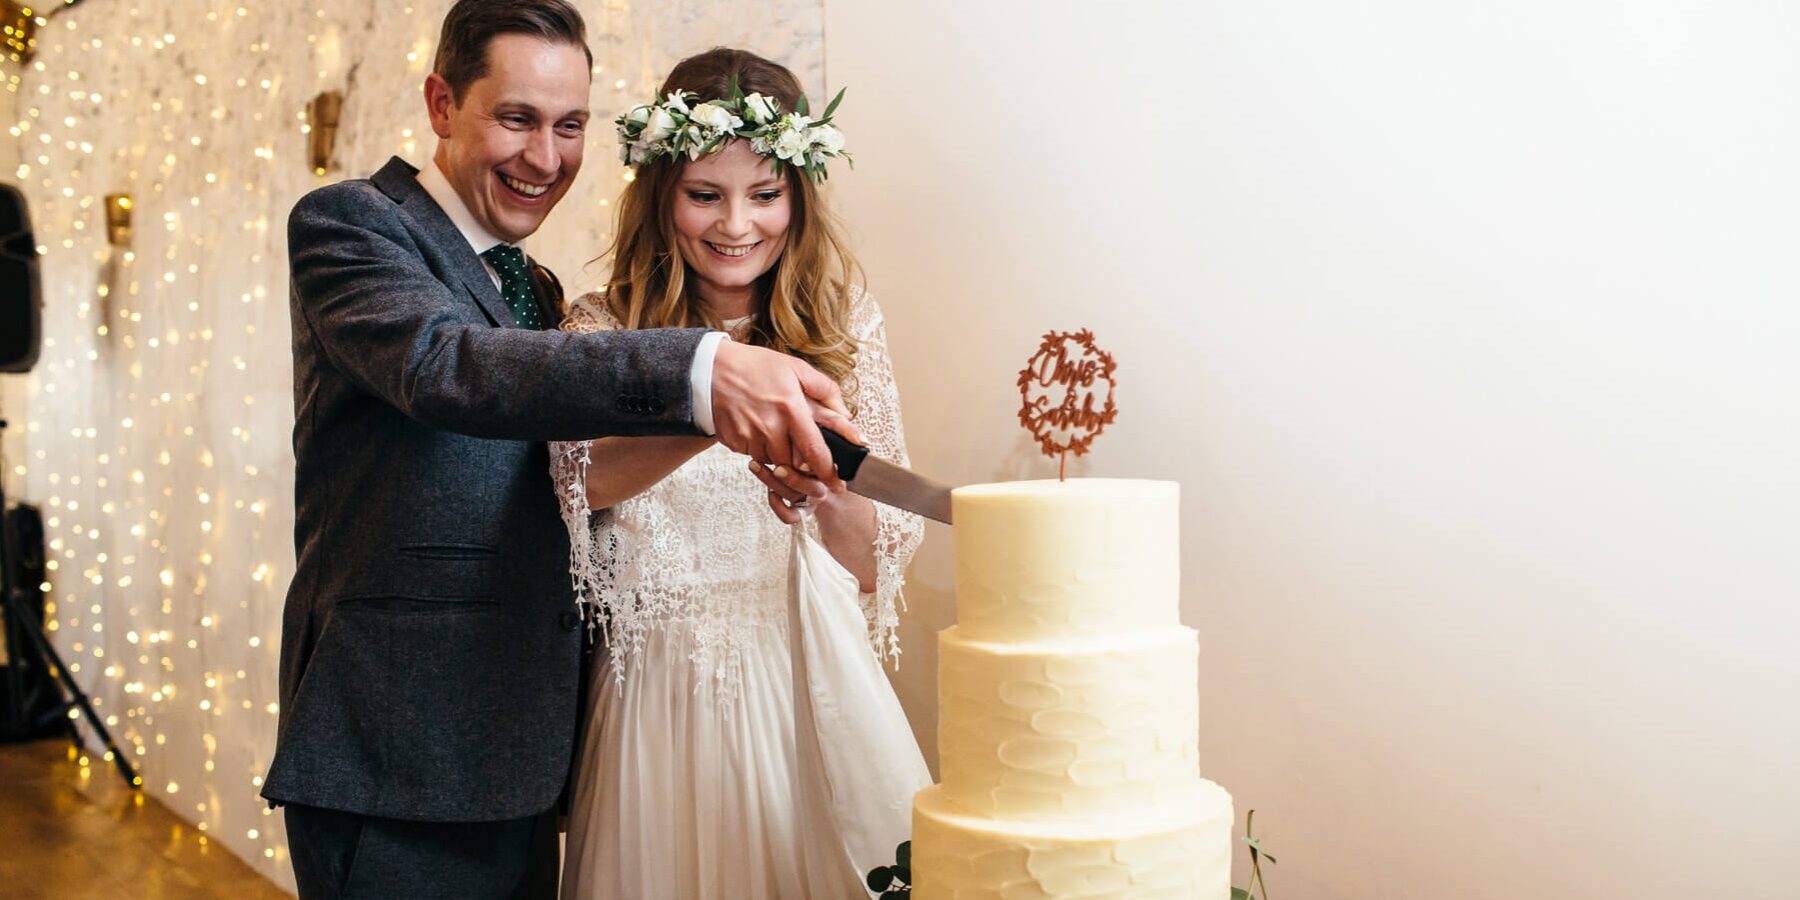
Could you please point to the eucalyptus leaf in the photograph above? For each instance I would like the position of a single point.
(1258, 849)
(880, 878)
(832, 107)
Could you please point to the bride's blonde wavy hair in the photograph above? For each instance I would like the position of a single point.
(802, 304)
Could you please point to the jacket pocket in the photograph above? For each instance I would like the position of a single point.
(452, 552)
(394, 603)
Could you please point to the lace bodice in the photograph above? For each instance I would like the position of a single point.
(701, 547)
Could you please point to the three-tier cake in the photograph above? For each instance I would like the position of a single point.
(1068, 710)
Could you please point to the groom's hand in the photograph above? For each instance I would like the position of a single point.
(768, 405)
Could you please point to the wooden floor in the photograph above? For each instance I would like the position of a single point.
(70, 837)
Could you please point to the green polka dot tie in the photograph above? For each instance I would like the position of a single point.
(515, 285)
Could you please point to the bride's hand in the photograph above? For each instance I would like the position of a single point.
(790, 490)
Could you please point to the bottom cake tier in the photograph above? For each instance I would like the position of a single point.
(1180, 856)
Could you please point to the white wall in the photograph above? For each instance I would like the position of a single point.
(1468, 330)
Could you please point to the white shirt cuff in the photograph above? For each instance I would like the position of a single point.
(700, 379)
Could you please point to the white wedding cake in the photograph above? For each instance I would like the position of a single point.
(1068, 706)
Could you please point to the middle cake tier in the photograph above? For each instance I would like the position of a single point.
(1055, 729)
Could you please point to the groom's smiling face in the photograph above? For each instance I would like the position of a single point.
(513, 143)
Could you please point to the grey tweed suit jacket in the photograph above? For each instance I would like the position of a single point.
(430, 649)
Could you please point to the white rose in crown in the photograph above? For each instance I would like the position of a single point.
(792, 138)
(638, 115)
(791, 143)
(660, 125)
(827, 139)
(760, 109)
(715, 117)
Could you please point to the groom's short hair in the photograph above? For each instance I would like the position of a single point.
(472, 24)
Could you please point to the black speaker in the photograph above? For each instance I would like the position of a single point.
(21, 303)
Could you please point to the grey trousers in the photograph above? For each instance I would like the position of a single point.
(348, 856)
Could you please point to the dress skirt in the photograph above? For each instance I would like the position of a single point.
(688, 786)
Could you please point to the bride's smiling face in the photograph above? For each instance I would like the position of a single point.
(731, 214)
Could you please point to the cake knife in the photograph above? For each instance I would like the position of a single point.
(878, 479)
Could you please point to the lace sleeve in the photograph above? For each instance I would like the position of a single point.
(897, 532)
(569, 460)
(588, 313)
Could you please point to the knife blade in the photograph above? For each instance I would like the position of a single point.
(880, 480)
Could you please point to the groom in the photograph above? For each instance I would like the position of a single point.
(430, 645)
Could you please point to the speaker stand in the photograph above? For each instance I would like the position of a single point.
(38, 650)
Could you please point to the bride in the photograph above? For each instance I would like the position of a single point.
(694, 778)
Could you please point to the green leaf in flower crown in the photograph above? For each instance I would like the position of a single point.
(832, 107)
(801, 107)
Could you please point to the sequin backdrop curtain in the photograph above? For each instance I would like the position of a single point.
(158, 423)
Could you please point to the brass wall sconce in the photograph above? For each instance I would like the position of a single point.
(18, 30)
(322, 116)
(118, 220)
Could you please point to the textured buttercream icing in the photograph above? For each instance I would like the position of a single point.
(1182, 856)
(1051, 559)
(1067, 727)
(1068, 706)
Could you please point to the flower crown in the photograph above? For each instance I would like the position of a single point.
(673, 128)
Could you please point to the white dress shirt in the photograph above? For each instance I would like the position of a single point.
(432, 179)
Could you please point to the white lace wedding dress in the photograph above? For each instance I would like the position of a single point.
(688, 785)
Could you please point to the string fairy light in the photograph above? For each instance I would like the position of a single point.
(160, 147)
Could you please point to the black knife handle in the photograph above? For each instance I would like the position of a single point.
(846, 456)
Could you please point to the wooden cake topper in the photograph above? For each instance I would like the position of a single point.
(1067, 394)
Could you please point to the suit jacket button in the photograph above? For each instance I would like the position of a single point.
(656, 406)
(570, 621)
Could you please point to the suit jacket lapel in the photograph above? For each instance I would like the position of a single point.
(400, 181)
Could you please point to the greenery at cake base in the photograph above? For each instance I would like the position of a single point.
(1257, 855)
(893, 882)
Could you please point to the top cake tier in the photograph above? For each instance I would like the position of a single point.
(1050, 559)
